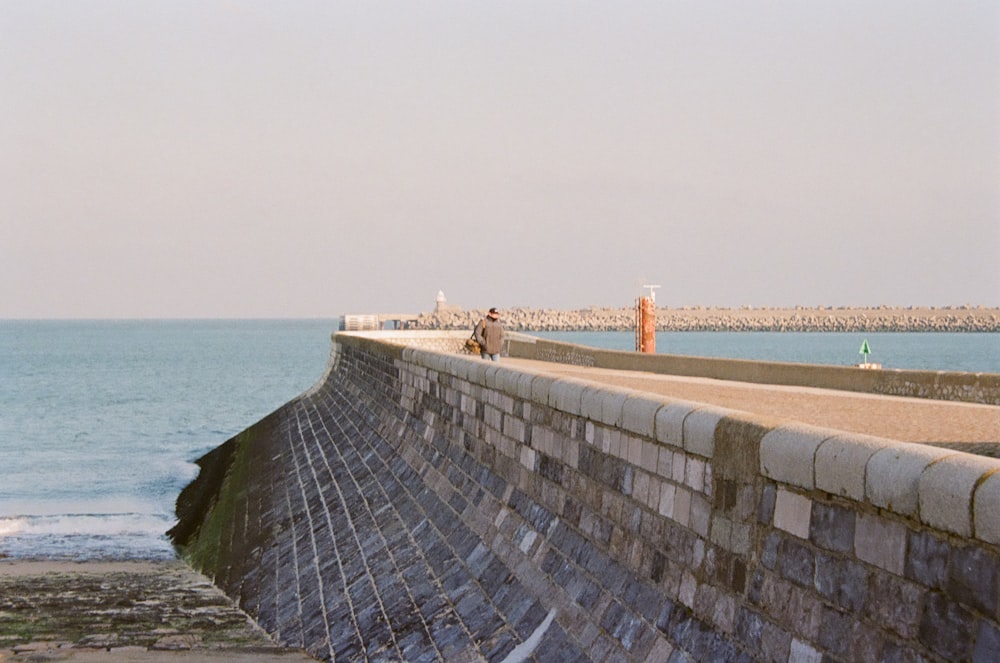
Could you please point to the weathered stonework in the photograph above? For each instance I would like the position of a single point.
(420, 505)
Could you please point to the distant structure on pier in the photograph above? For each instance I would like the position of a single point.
(382, 321)
(441, 304)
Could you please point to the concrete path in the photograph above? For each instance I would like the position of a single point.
(970, 427)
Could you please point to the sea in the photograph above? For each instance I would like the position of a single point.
(101, 421)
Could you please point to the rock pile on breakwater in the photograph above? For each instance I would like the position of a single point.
(802, 319)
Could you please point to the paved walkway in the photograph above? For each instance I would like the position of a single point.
(971, 427)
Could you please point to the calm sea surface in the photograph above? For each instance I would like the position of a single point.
(100, 421)
(975, 353)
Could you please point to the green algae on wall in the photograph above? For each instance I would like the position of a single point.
(207, 506)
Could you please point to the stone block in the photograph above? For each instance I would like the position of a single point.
(640, 487)
(803, 611)
(832, 527)
(895, 603)
(946, 489)
(792, 513)
(541, 387)
(802, 652)
(775, 643)
(701, 514)
(722, 531)
(740, 540)
(477, 372)
(689, 586)
(494, 372)
(894, 473)
(788, 454)
(670, 422)
(566, 395)
(749, 628)
(841, 463)
(612, 405)
(765, 508)
(639, 414)
(514, 428)
(667, 492)
(592, 403)
(634, 453)
(881, 543)
(665, 463)
(835, 632)
(986, 510)
(843, 582)
(571, 453)
(653, 500)
(947, 628)
(523, 388)
(506, 379)
(973, 578)
(677, 472)
(927, 559)
(529, 458)
(796, 562)
(699, 430)
(867, 643)
(650, 457)
(682, 506)
(694, 474)
(987, 643)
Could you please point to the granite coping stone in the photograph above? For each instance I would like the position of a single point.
(788, 453)
(670, 421)
(566, 394)
(639, 413)
(699, 429)
(893, 475)
(946, 490)
(986, 514)
(841, 463)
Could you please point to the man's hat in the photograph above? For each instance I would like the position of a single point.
(493, 310)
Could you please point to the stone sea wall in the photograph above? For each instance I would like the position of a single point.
(821, 319)
(420, 505)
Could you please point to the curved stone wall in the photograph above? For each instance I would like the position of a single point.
(424, 505)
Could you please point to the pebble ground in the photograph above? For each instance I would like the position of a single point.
(138, 611)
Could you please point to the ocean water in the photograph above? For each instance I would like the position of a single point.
(101, 421)
(940, 351)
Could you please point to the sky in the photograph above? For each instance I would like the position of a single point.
(223, 158)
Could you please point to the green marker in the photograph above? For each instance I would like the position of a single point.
(865, 350)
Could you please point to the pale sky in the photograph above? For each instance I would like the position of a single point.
(213, 158)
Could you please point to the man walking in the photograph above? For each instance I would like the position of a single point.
(489, 333)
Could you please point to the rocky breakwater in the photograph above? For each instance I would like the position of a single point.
(805, 319)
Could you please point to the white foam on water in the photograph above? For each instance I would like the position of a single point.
(86, 536)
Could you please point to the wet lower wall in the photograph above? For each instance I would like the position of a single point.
(422, 505)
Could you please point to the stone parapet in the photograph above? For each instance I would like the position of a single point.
(425, 505)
